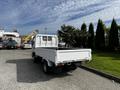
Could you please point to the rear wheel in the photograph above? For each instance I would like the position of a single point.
(35, 58)
(33, 54)
(45, 67)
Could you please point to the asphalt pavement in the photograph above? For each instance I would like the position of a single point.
(18, 72)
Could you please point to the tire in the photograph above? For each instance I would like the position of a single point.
(40, 59)
(33, 54)
(35, 59)
(70, 67)
(45, 67)
(73, 67)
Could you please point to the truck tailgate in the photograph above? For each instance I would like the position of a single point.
(64, 56)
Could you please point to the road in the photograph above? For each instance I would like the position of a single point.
(18, 72)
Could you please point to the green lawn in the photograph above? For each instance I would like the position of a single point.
(106, 62)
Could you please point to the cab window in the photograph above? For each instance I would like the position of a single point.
(44, 38)
(49, 38)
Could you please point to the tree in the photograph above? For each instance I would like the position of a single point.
(118, 27)
(91, 36)
(83, 35)
(100, 36)
(113, 35)
(107, 36)
(67, 34)
(77, 38)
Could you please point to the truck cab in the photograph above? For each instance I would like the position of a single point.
(44, 40)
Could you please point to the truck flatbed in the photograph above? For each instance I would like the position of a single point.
(59, 48)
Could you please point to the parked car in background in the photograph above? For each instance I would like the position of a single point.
(5, 43)
(10, 44)
(1, 44)
(26, 45)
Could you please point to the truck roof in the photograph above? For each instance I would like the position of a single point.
(45, 35)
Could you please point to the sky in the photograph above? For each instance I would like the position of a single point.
(48, 15)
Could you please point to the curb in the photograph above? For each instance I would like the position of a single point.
(111, 77)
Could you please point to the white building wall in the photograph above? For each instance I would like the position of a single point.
(1, 33)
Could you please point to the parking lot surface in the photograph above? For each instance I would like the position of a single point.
(18, 72)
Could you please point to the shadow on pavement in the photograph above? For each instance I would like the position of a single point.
(29, 72)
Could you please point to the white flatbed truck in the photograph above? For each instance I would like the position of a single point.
(45, 48)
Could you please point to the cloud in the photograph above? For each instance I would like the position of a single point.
(30, 14)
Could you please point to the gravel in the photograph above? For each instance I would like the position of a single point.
(18, 72)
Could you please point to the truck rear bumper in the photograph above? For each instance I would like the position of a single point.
(64, 68)
(70, 62)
